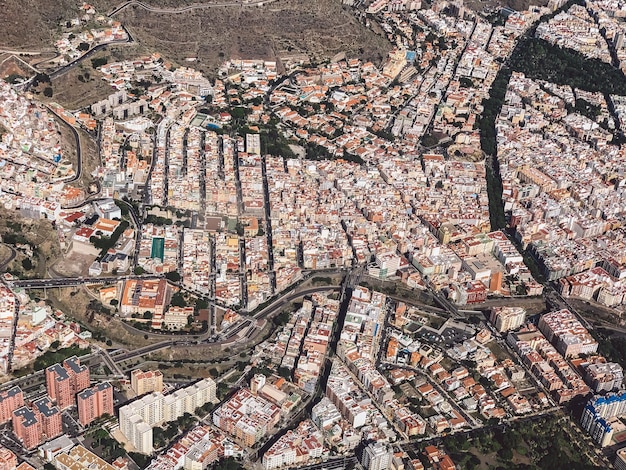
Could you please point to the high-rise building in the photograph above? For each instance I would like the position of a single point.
(256, 383)
(94, 402)
(27, 427)
(63, 382)
(49, 417)
(599, 414)
(8, 460)
(10, 400)
(376, 456)
(146, 382)
(507, 318)
(138, 418)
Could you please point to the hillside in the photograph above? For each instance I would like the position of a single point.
(32, 23)
(319, 28)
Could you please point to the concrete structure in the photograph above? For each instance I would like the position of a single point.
(49, 417)
(27, 428)
(567, 334)
(52, 448)
(507, 318)
(247, 417)
(139, 417)
(376, 456)
(63, 382)
(146, 382)
(604, 377)
(141, 296)
(80, 458)
(94, 402)
(597, 416)
(10, 400)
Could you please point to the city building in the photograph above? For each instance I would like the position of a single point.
(79, 458)
(64, 381)
(376, 456)
(10, 400)
(599, 413)
(94, 402)
(52, 448)
(296, 447)
(246, 417)
(139, 417)
(604, 376)
(8, 460)
(49, 417)
(567, 334)
(147, 295)
(507, 318)
(146, 382)
(27, 427)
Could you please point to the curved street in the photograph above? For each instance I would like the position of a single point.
(12, 255)
(195, 6)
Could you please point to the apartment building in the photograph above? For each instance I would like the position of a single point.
(139, 417)
(64, 381)
(94, 402)
(567, 334)
(146, 382)
(27, 428)
(10, 400)
(376, 456)
(49, 417)
(507, 318)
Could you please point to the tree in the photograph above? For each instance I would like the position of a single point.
(173, 276)
(147, 315)
(178, 300)
(83, 46)
(27, 264)
(47, 92)
(284, 372)
(55, 344)
(139, 271)
(98, 62)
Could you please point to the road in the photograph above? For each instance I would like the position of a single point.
(195, 6)
(66, 68)
(12, 256)
(79, 156)
(76, 281)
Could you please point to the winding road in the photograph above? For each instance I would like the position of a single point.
(193, 6)
(12, 256)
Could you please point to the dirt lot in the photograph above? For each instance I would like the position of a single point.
(73, 264)
(73, 92)
(12, 65)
